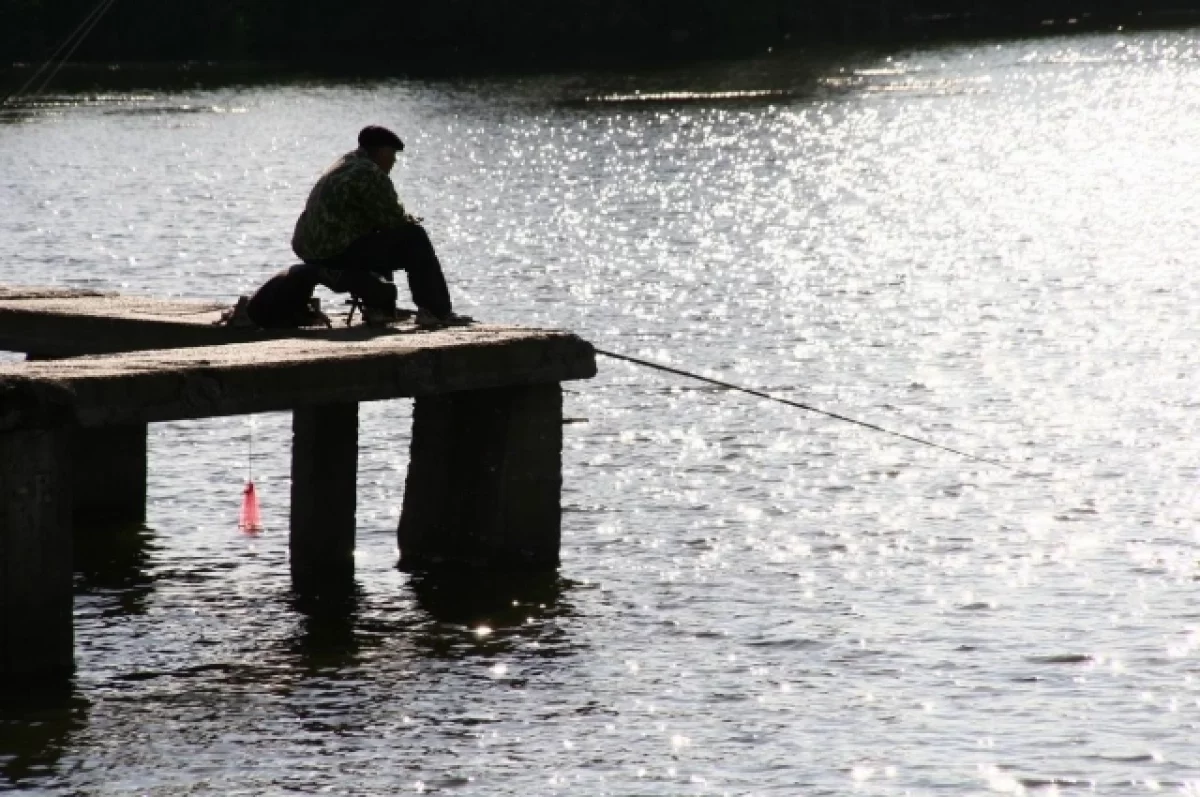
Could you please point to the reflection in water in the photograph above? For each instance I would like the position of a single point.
(327, 637)
(992, 245)
(441, 616)
(113, 564)
(36, 729)
(471, 613)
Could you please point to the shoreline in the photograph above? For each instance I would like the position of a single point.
(472, 55)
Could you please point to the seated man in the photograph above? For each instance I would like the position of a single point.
(352, 236)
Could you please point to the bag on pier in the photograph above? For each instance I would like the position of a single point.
(285, 301)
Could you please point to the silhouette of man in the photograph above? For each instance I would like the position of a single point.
(353, 235)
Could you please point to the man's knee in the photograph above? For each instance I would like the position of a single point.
(414, 236)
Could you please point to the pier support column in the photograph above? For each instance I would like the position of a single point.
(484, 480)
(36, 635)
(110, 476)
(109, 486)
(324, 487)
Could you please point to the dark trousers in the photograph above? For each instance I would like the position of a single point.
(365, 269)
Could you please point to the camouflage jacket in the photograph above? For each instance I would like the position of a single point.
(352, 198)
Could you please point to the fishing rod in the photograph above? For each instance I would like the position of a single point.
(770, 397)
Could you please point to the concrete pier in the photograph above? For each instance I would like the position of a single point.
(109, 476)
(484, 481)
(324, 492)
(51, 323)
(67, 322)
(36, 632)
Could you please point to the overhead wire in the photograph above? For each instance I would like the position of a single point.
(70, 44)
(95, 21)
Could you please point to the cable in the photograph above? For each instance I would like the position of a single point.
(95, 10)
(109, 4)
(797, 404)
(77, 36)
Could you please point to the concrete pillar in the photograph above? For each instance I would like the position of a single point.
(109, 468)
(36, 635)
(110, 473)
(484, 480)
(324, 487)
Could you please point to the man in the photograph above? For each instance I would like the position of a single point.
(352, 236)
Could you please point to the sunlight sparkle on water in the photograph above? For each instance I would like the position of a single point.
(990, 247)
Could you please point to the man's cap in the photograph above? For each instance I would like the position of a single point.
(376, 136)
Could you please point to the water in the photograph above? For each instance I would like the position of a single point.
(990, 245)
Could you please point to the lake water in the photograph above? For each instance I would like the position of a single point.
(992, 246)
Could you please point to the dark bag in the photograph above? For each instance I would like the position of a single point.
(283, 301)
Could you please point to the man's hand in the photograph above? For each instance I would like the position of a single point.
(414, 219)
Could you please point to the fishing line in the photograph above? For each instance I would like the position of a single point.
(770, 397)
(250, 519)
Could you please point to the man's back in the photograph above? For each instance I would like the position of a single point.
(352, 198)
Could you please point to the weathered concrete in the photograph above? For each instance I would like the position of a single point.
(64, 322)
(324, 493)
(35, 555)
(484, 479)
(109, 476)
(177, 384)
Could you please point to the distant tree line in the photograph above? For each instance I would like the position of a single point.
(461, 35)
